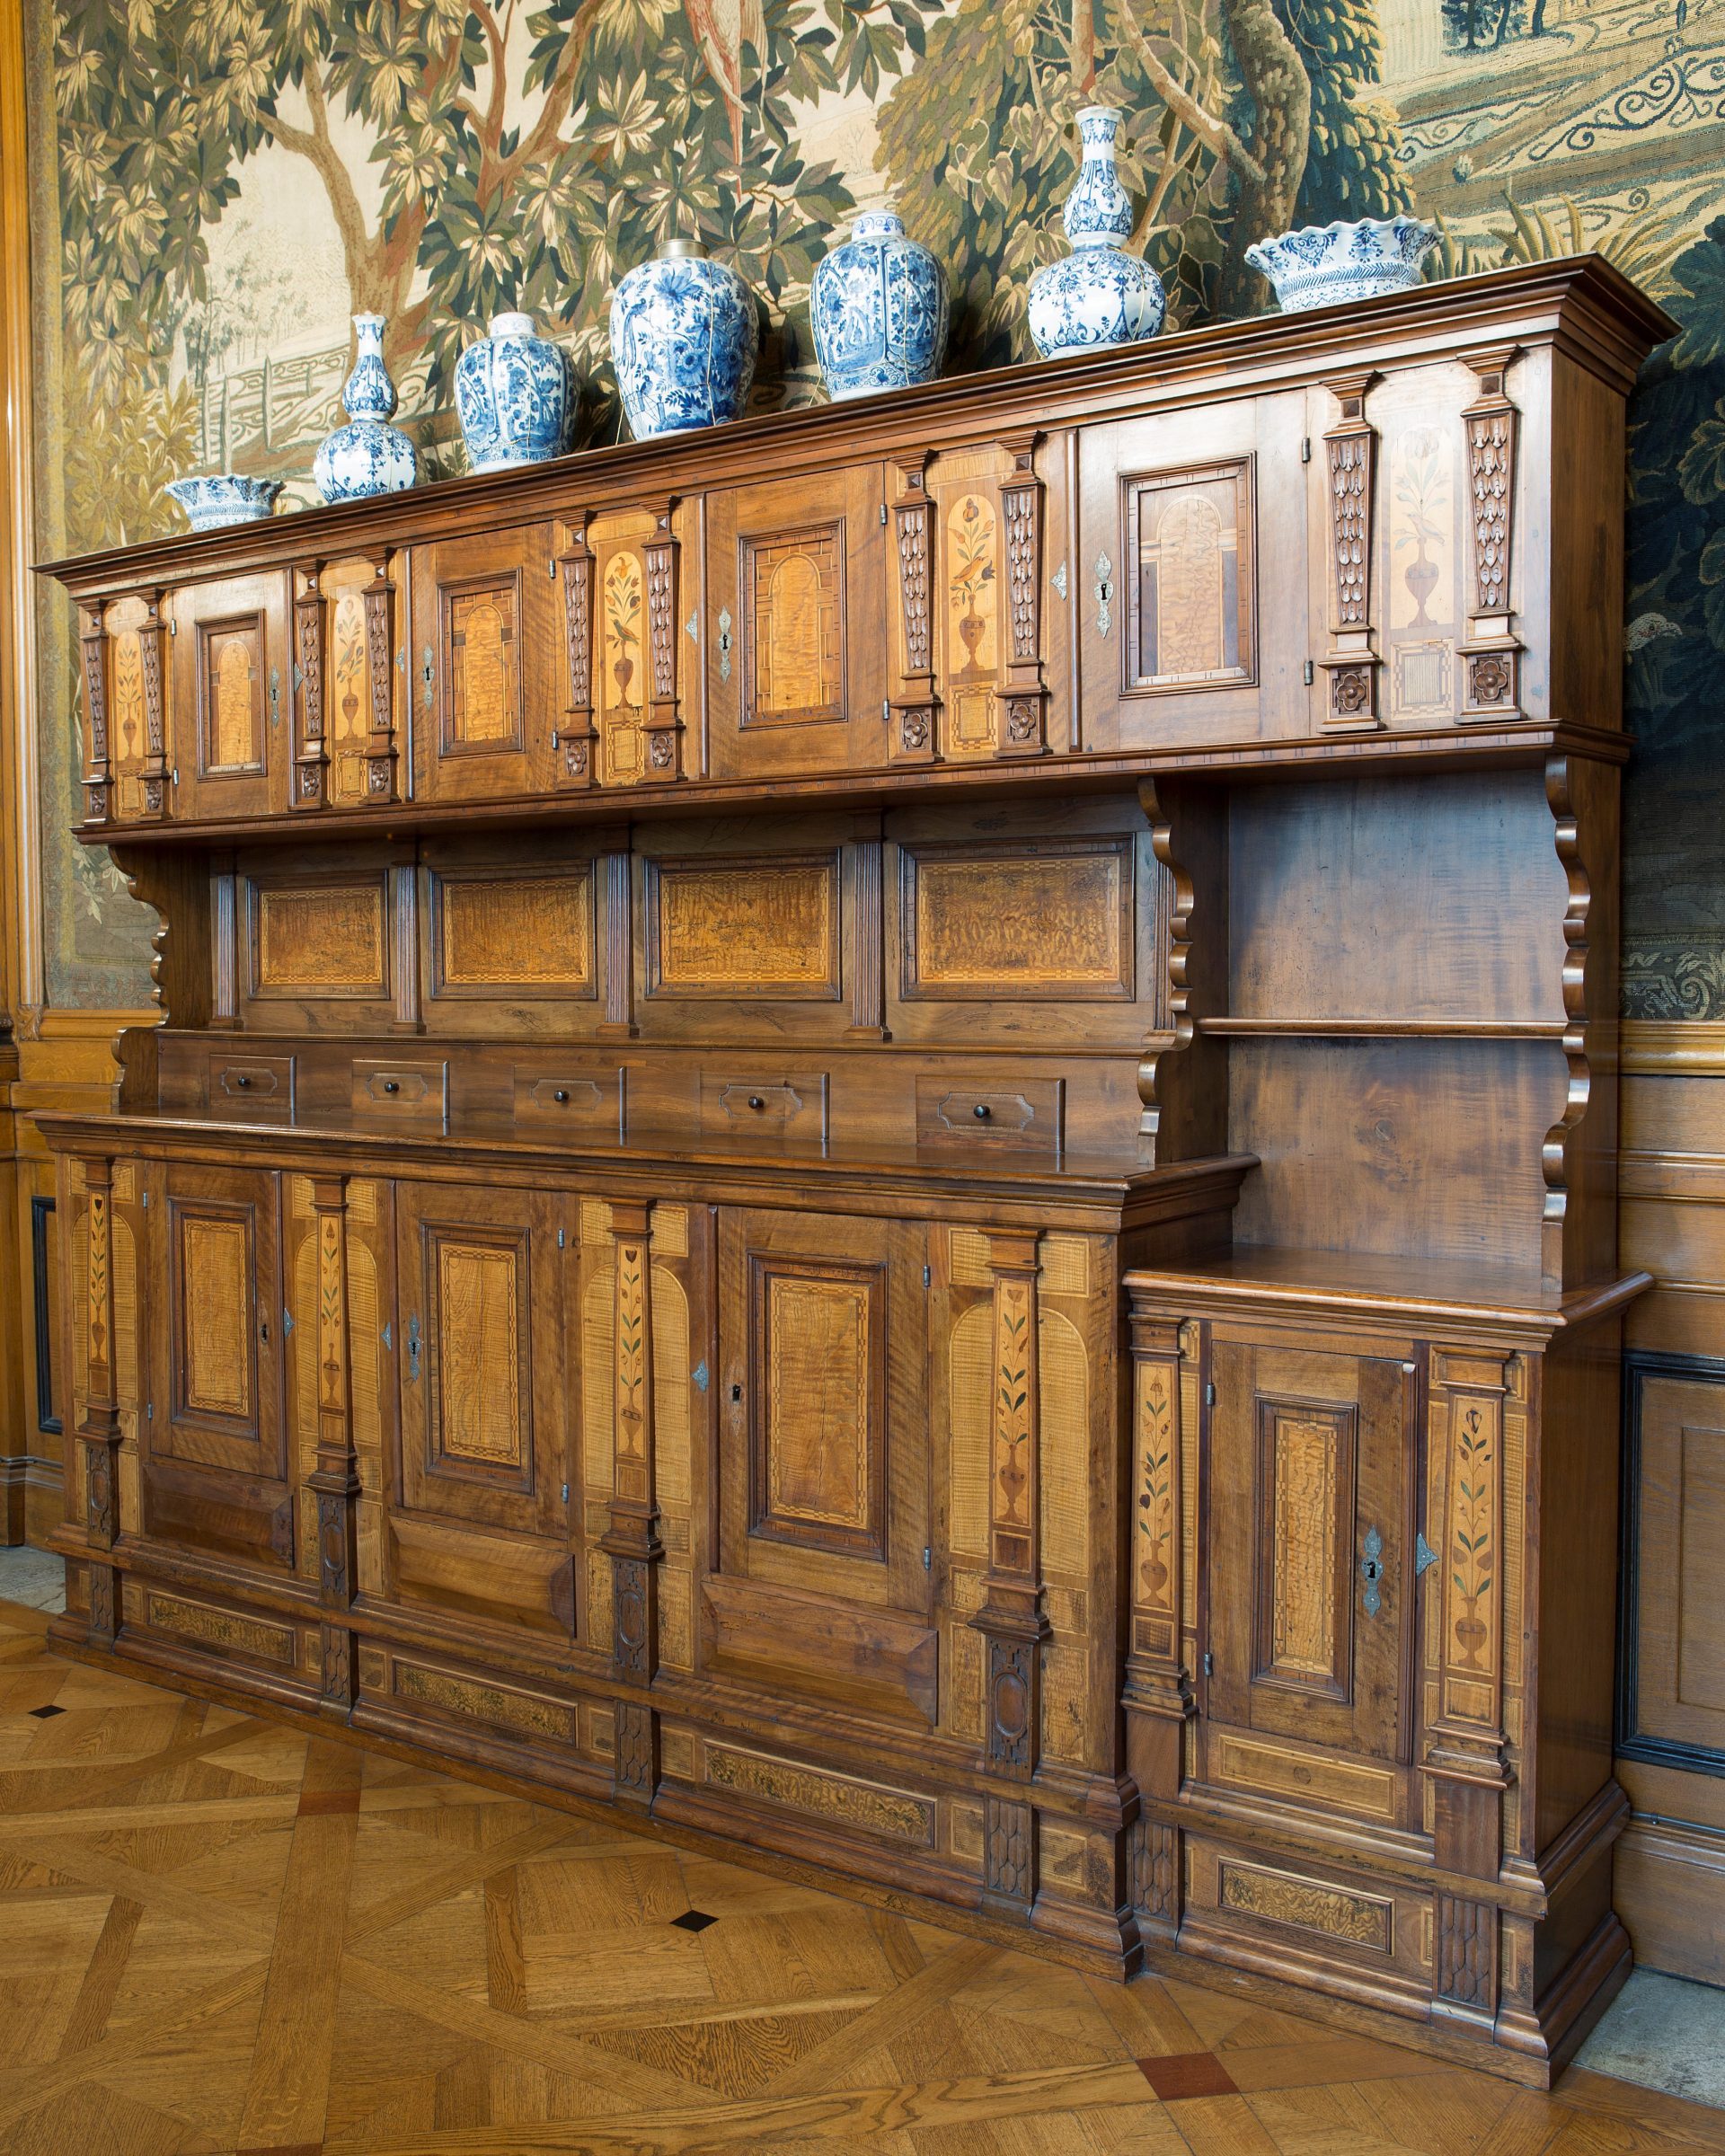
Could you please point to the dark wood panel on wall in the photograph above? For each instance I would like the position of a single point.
(43, 1270)
(902, 1022)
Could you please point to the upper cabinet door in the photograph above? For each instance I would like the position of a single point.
(485, 700)
(795, 626)
(231, 695)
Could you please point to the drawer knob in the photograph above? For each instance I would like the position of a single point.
(982, 1111)
(391, 1085)
(756, 1101)
(561, 1095)
(241, 1079)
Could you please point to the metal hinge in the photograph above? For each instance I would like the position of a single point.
(700, 1377)
(927, 1560)
(1310, 674)
(928, 1277)
(286, 1320)
(1424, 1556)
(1305, 450)
(388, 1342)
(565, 1493)
(149, 1410)
(1210, 1396)
(561, 1243)
(1209, 1664)
(146, 1201)
(173, 628)
(883, 512)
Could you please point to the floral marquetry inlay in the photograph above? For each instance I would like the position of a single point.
(972, 570)
(1157, 1525)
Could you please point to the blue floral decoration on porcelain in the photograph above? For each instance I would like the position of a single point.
(1327, 265)
(879, 310)
(682, 342)
(516, 396)
(1099, 296)
(367, 455)
(225, 498)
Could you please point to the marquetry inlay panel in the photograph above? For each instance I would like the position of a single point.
(1191, 596)
(744, 928)
(482, 666)
(1305, 1467)
(357, 705)
(479, 1353)
(514, 934)
(866, 1808)
(1050, 920)
(322, 940)
(818, 1465)
(1064, 1387)
(1282, 1897)
(971, 569)
(520, 1713)
(793, 627)
(623, 685)
(226, 1630)
(230, 695)
(215, 1288)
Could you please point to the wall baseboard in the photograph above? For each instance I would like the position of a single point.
(1669, 1885)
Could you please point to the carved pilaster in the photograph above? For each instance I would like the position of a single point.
(868, 958)
(1466, 1755)
(97, 771)
(631, 1542)
(381, 781)
(335, 1478)
(662, 727)
(914, 707)
(619, 1021)
(223, 945)
(311, 738)
(575, 741)
(1491, 653)
(1021, 706)
(99, 1430)
(1351, 663)
(152, 773)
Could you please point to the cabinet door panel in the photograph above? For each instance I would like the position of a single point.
(1309, 1531)
(483, 630)
(483, 1418)
(230, 699)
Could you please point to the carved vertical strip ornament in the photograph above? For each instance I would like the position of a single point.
(223, 945)
(311, 733)
(98, 769)
(619, 1021)
(573, 741)
(1351, 663)
(914, 708)
(1010, 1618)
(1021, 706)
(98, 1429)
(662, 727)
(1491, 652)
(335, 1478)
(1466, 1755)
(153, 665)
(381, 783)
(868, 934)
(632, 1541)
(405, 927)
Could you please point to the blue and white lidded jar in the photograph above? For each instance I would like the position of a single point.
(1100, 294)
(683, 340)
(879, 309)
(516, 396)
(367, 455)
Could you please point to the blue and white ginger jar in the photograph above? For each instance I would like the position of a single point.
(367, 455)
(682, 342)
(879, 308)
(225, 498)
(516, 396)
(1100, 294)
(1322, 265)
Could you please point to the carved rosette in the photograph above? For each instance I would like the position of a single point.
(1350, 665)
(380, 686)
(311, 741)
(662, 727)
(1490, 655)
(1021, 706)
(914, 708)
(573, 742)
(97, 769)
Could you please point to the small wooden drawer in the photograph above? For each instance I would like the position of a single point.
(754, 1105)
(1026, 1116)
(411, 1096)
(589, 1102)
(251, 1089)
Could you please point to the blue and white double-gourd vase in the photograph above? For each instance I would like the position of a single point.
(879, 309)
(516, 396)
(367, 455)
(1100, 294)
(682, 342)
(1324, 265)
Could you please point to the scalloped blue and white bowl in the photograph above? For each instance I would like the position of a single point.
(1327, 265)
(225, 498)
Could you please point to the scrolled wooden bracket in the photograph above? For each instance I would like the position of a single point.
(1491, 652)
(914, 707)
(575, 742)
(662, 727)
(1351, 664)
(1022, 704)
(310, 734)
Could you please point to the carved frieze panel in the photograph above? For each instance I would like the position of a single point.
(228, 1631)
(1303, 1904)
(318, 940)
(519, 1714)
(742, 927)
(842, 1801)
(513, 934)
(1050, 919)
(1191, 590)
(818, 1464)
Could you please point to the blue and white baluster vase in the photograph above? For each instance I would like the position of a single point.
(1100, 294)
(682, 342)
(367, 455)
(879, 309)
(516, 397)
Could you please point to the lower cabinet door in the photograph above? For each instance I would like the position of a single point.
(823, 1581)
(480, 1520)
(1310, 1573)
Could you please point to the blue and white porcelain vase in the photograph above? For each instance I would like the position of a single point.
(516, 397)
(1323, 265)
(367, 455)
(225, 498)
(879, 309)
(1100, 294)
(682, 342)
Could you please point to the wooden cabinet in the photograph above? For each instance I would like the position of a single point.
(485, 637)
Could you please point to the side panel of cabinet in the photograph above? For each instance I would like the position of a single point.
(483, 665)
(796, 619)
(231, 697)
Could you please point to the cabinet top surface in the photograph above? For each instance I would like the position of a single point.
(1603, 319)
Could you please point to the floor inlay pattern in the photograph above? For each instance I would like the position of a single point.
(218, 1936)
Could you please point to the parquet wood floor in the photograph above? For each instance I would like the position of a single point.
(218, 1936)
